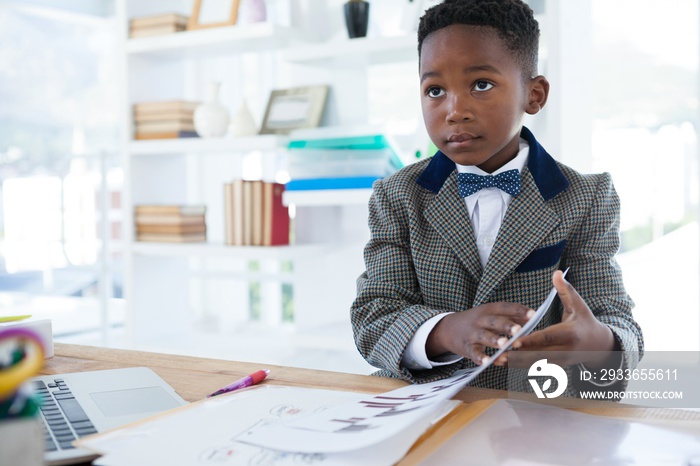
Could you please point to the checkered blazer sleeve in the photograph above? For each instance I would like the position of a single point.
(389, 306)
(595, 274)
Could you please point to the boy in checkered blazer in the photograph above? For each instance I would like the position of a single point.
(466, 244)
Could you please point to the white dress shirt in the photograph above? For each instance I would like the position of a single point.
(486, 209)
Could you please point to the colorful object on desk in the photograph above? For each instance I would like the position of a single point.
(247, 381)
(22, 404)
(26, 360)
(4, 319)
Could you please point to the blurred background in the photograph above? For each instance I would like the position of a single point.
(625, 84)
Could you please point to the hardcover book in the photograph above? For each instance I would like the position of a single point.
(254, 214)
(158, 20)
(164, 126)
(171, 237)
(175, 220)
(275, 216)
(135, 33)
(171, 229)
(166, 135)
(185, 116)
(170, 209)
(233, 206)
(165, 106)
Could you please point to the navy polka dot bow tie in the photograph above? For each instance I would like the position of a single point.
(508, 181)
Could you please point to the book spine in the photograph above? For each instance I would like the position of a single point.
(158, 20)
(275, 217)
(165, 219)
(171, 238)
(171, 229)
(166, 135)
(238, 218)
(169, 209)
(165, 116)
(163, 127)
(257, 213)
(228, 213)
(144, 108)
(247, 213)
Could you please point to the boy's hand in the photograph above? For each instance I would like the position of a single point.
(469, 333)
(579, 330)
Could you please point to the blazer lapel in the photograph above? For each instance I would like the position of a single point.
(448, 215)
(527, 222)
(528, 218)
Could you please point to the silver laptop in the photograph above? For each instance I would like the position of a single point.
(83, 403)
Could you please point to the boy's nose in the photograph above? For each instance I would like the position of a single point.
(459, 109)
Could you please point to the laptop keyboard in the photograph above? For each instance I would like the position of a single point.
(64, 418)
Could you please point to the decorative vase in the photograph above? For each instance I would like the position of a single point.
(356, 18)
(211, 118)
(242, 123)
(257, 12)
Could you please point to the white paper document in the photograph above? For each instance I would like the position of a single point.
(376, 418)
(207, 432)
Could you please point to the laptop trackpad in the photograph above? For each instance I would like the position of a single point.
(134, 401)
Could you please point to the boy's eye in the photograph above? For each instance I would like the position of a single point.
(482, 86)
(435, 91)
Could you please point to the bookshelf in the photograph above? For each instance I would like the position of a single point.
(221, 250)
(214, 41)
(372, 50)
(268, 142)
(329, 197)
(168, 287)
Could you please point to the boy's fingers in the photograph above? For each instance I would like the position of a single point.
(509, 310)
(476, 354)
(570, 298)
(544, 339)
(502, 325)
(502, 360)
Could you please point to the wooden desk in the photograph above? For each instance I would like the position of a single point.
(194, 378)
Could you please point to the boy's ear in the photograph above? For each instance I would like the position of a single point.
(538, 93)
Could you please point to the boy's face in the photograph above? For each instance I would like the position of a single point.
(473, 96)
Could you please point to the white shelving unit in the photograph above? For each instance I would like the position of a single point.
(233, 40)
(225, 251)
(328, 197)
(169, 286)
(372, 50)
(202, 146)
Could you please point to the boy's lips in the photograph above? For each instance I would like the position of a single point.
(460, 138)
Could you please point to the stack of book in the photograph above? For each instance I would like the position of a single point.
(254, 214)
(170, 223)
(165, 119)
(339, 161)
(157, 25)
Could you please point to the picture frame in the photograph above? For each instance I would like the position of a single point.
(294, 108)
(213, 13)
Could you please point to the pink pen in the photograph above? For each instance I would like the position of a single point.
(247, 381)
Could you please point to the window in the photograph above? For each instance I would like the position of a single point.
(58, 165)
(645, 133)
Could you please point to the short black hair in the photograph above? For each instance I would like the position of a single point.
(513, 21)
